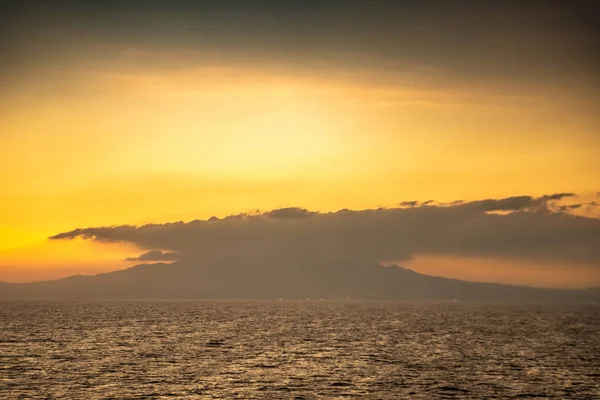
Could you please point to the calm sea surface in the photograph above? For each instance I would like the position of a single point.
(297, 350)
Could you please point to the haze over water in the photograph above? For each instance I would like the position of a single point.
(297, 350)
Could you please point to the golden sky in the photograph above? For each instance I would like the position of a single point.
(97, 131)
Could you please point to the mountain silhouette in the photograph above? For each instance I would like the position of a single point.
(185, 280)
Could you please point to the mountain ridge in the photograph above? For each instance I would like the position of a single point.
(185, 280)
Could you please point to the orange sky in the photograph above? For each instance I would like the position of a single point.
(125, 141)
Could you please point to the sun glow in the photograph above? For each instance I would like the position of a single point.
(290, 136)
(55, 259)
(137, 144)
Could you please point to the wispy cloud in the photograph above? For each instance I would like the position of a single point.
(155, 255)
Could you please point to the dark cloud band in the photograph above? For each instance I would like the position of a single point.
(521, 226)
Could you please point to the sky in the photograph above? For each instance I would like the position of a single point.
(132, 113)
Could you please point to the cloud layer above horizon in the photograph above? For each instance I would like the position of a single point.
(521, 227)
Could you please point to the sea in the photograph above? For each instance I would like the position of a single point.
(308, 349)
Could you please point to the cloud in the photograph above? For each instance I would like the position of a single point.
(290, 212)
(100, 234)
(518, 203)
(391, 32)
(556, 196)
(528, 227)
(569, 207)
(155, 255)
(414, 203)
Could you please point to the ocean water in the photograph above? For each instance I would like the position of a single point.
(297, 350)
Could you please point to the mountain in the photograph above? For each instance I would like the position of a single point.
(185, 280)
